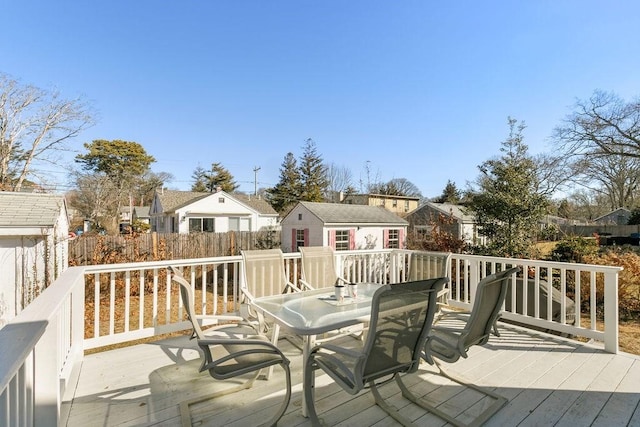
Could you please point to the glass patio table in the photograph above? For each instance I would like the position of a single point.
(315, 312)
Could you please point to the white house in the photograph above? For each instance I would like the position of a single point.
(192, 212)
(34, 232)
(451, 218)
(342, 226)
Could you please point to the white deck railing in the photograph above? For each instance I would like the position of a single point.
(47, 340)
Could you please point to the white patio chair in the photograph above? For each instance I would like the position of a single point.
(401, 315)
(230, 351)
(450, 344)
(318, 267)
(429, 265)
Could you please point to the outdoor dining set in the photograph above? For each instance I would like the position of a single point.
(362, 335)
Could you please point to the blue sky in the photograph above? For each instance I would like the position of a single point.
(415, 89)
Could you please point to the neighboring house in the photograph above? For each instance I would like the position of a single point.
(619, 216)
(192, 212)
(342, 226)
(448, 217)
(141, 213)
(34, 232)
(400, 205)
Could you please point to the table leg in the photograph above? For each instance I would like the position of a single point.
(308, 342)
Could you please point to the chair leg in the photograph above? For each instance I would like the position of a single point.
(389, 409)
(274, 420)
(500, 401)
(275, 332)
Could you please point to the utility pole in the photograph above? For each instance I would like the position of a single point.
(255, 180)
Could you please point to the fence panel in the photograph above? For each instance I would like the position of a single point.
(93, 250)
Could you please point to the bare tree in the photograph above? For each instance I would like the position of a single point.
(339, 179)
(603, 124)
(614, 176)
(35, 125)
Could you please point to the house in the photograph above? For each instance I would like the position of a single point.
(174, 211)
(141, 214)
(342, 226)
(619, 216)
(400, 205)
(447, 217)
(34, 233)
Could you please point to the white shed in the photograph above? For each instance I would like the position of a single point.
(34, 232)
(342, 226)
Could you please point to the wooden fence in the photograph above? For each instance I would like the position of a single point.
(93, 250)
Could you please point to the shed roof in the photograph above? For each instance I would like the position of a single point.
(338, 213)
(29, 209)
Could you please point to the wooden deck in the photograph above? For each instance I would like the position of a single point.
(548, 381)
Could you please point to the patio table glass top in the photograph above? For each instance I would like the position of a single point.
(316, 311)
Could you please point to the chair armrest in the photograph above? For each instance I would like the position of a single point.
(343, 280)
(306, 284)
(226, 317)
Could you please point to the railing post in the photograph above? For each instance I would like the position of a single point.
(611, 312)
(47, 380)
(474, 278)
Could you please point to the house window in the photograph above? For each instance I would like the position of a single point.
(393, 241)
(201, 225)
(394, 203)
(299, 217)
(299, 239)
(342, 240)
(406, 206)
(239, 224)
(220, 199)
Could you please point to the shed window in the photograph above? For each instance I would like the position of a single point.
(342, 240)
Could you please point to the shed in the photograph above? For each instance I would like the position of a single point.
(342, 226)
(34, 232)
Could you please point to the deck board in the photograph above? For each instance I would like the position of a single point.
(548, 380)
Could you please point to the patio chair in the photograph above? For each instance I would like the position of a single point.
(264, 275)
(229, 351)
(319, 271)
(401, 315)
(318, 267)
(450, 344)
(427, 265)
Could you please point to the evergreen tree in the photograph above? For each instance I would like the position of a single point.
(450, 194)
(313, 174)
(210, 180)
(506, 205)
(199, 182)
(287, 191)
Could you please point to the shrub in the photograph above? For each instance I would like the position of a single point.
(574, 249)
(628, 279)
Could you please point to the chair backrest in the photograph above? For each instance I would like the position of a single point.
(428, 265)
(401, 317)
(318, 266)
(489, 299)
(188, 301)
(264, 273)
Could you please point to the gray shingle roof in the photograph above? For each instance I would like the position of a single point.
(260, 205)
(29, 209)
(338, 213)
(173, 199)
